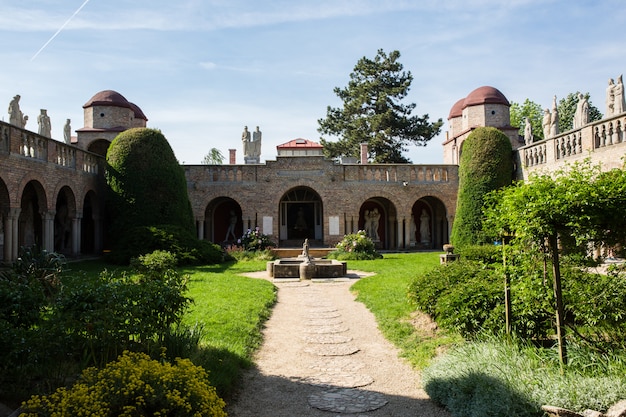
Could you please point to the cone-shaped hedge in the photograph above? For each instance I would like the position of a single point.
(486, 164)
(147, 184)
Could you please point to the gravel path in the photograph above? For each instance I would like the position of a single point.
(323, 355)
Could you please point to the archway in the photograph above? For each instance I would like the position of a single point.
(33, 205)
(88, 224)
(301, 217)
(99, 146)
(223, 222)
(377, 216)
(4, 212)
(429, 224)
(63, 220)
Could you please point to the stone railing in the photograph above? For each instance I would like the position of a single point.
(574, 144)
(405, 173)
(17, 141)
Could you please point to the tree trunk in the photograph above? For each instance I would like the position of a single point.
(558, 297)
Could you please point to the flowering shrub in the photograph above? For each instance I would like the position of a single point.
(133, 385)
(355, 246)
(254, 240)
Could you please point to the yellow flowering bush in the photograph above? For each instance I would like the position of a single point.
(134, 385)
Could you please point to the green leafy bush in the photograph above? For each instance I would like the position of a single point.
(134, 385)
(486, 254)
(355, 246)
(187, 249)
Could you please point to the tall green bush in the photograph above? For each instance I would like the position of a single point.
(147, 184)
(486, 164)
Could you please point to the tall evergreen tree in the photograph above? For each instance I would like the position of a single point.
(373, 113)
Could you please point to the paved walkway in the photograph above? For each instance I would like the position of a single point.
(324, 356)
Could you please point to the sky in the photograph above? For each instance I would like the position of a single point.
(201, 70)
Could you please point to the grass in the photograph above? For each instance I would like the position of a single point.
(385, 295)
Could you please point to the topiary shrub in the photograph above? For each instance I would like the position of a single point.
(133, 385)
(177, 240)
(147, 185)
(486, 164)
(355, 246)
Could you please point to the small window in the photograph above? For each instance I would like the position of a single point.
(493, 112)
(101, 114)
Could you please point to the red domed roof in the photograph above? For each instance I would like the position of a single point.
(108, 98)
(138, 113)
(457, 109)
(485, 95)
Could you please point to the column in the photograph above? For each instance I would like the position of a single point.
(76, 234)
(48, 230)
(98, 242)
(200, 226)
(402, 234)
(12, 234)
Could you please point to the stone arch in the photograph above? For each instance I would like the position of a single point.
(99, 146)
(5, 205)
(378, 217)
(432, 230)
(301, 217)
(220, 214)
(65, 213)
(33, 205)
(89, 231)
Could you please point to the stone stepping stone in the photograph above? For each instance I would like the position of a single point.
(328, 329)
(340, 349)
(330, 315)
(337, 363)
(347, 400)
(320, 310)
(326, 338)
(323, 322)
(340, 379)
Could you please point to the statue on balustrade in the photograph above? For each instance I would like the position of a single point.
(581, 115)
(610, 98)
(545, 124)
(528, 132)
(251, 143)
(554, 119)
(16, 117)
(67, 132)
(618, 96)
(44, 123)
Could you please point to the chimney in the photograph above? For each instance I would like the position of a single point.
(232, 156)
(363, 153)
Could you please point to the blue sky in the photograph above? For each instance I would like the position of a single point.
(202, 69)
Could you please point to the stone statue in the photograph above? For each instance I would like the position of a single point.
(610, 98)
(232, 222)
(245, 139)
(528, 131)
(256, 143)
(305, 249)
(425, 227)
(44, 123)
(554, 119)
(16, 117)
(67, 132)
(618, 97)
(545, 124)
(374, 219)
(581, 115)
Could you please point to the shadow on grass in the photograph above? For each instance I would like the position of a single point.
(224, 367)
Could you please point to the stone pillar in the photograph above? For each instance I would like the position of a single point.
(232, 156)
(48, 230)
(200, 227)
(76, 235)
(364, 153)
(402, 233)
(11, 235)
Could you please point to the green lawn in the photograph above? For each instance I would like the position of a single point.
(385, 295)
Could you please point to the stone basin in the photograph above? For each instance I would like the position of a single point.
(321, 268)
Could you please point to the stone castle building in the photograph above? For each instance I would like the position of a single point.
(52, 192)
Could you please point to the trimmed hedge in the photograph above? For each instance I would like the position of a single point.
(486, 164)
(147, 184)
